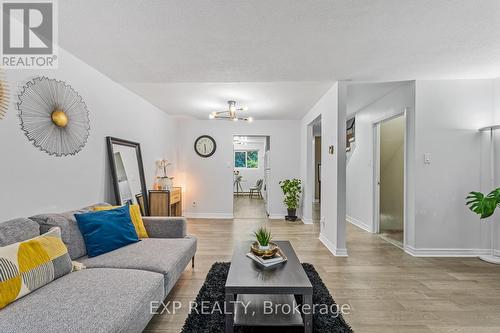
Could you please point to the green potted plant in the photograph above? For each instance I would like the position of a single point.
(292, 188)
(484, 206)
(263, 237)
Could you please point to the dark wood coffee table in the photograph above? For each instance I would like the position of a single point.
(250, 283)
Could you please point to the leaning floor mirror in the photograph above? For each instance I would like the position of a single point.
(129, 184)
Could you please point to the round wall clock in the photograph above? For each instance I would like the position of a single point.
(205, 146)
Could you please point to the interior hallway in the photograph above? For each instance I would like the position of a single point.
(316, 213)
(246, 207)
(391, 183)
(395, 237)
(387, 289)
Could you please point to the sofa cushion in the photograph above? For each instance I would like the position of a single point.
(91, 300)
(71, 235)
(168, 256)
(17, 230)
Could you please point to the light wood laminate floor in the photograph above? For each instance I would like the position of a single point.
(388, 290)
(246, 207)
(316, 212)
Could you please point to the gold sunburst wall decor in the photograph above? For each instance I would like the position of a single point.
(4, 96)
(53, 116)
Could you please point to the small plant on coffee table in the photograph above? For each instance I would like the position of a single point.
(263, 237)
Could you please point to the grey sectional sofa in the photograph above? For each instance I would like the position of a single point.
(115, 291)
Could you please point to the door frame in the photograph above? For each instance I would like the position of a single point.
(376, 170)
(310, 177)
(267, 151)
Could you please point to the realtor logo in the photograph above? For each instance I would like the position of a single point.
(28, 34)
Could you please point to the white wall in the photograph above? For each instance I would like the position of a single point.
(33, 182)
(448, 115)
(496, 217)
(359, 176)
(251, 175)
(496, 101)
(446, 118)
(496, 121)
(331, 108)
(209, 181)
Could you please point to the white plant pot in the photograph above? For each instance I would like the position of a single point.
(264, 248)
(492, 258)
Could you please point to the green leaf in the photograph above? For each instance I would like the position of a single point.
(263, 236)
(291, 189)
(483, 205)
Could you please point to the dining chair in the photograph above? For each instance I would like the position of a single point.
(257, 189)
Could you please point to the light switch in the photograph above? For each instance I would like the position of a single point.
(427, 158)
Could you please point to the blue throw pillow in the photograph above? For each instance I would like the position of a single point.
(107, 230)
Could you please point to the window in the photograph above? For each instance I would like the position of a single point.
(246, 159)
(240, 159)
(253, 159)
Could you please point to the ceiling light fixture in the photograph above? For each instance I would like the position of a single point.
(240, 140)
(230, 113)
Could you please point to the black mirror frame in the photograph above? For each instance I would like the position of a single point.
(112, 140)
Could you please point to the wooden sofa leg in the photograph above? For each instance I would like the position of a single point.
(192, 262)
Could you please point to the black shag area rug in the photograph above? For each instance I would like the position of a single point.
(212, 292)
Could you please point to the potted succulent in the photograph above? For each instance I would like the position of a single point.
(263, 237)
(484, 206)
(292, 188)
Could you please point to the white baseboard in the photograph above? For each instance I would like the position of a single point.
(316, 201)
(307, 221)
(437, 252)
(276, 217)
(497, 252)
(341, 253)
(359, 223)
(329, 245)
(208, 216)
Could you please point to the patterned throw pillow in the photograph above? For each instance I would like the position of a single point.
(29, 265)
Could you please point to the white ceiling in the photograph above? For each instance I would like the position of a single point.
(360, 95)
(141, 43)
(250, 140)
(265, 100)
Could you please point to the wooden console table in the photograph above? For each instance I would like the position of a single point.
(165, 203)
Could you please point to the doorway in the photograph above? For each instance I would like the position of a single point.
(390, 179)
(311, 196)
(251, 172)
(316, 211)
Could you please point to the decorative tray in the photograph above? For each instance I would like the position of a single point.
(273, 248)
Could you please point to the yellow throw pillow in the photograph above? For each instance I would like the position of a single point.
(29, 265)
(135, 216)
